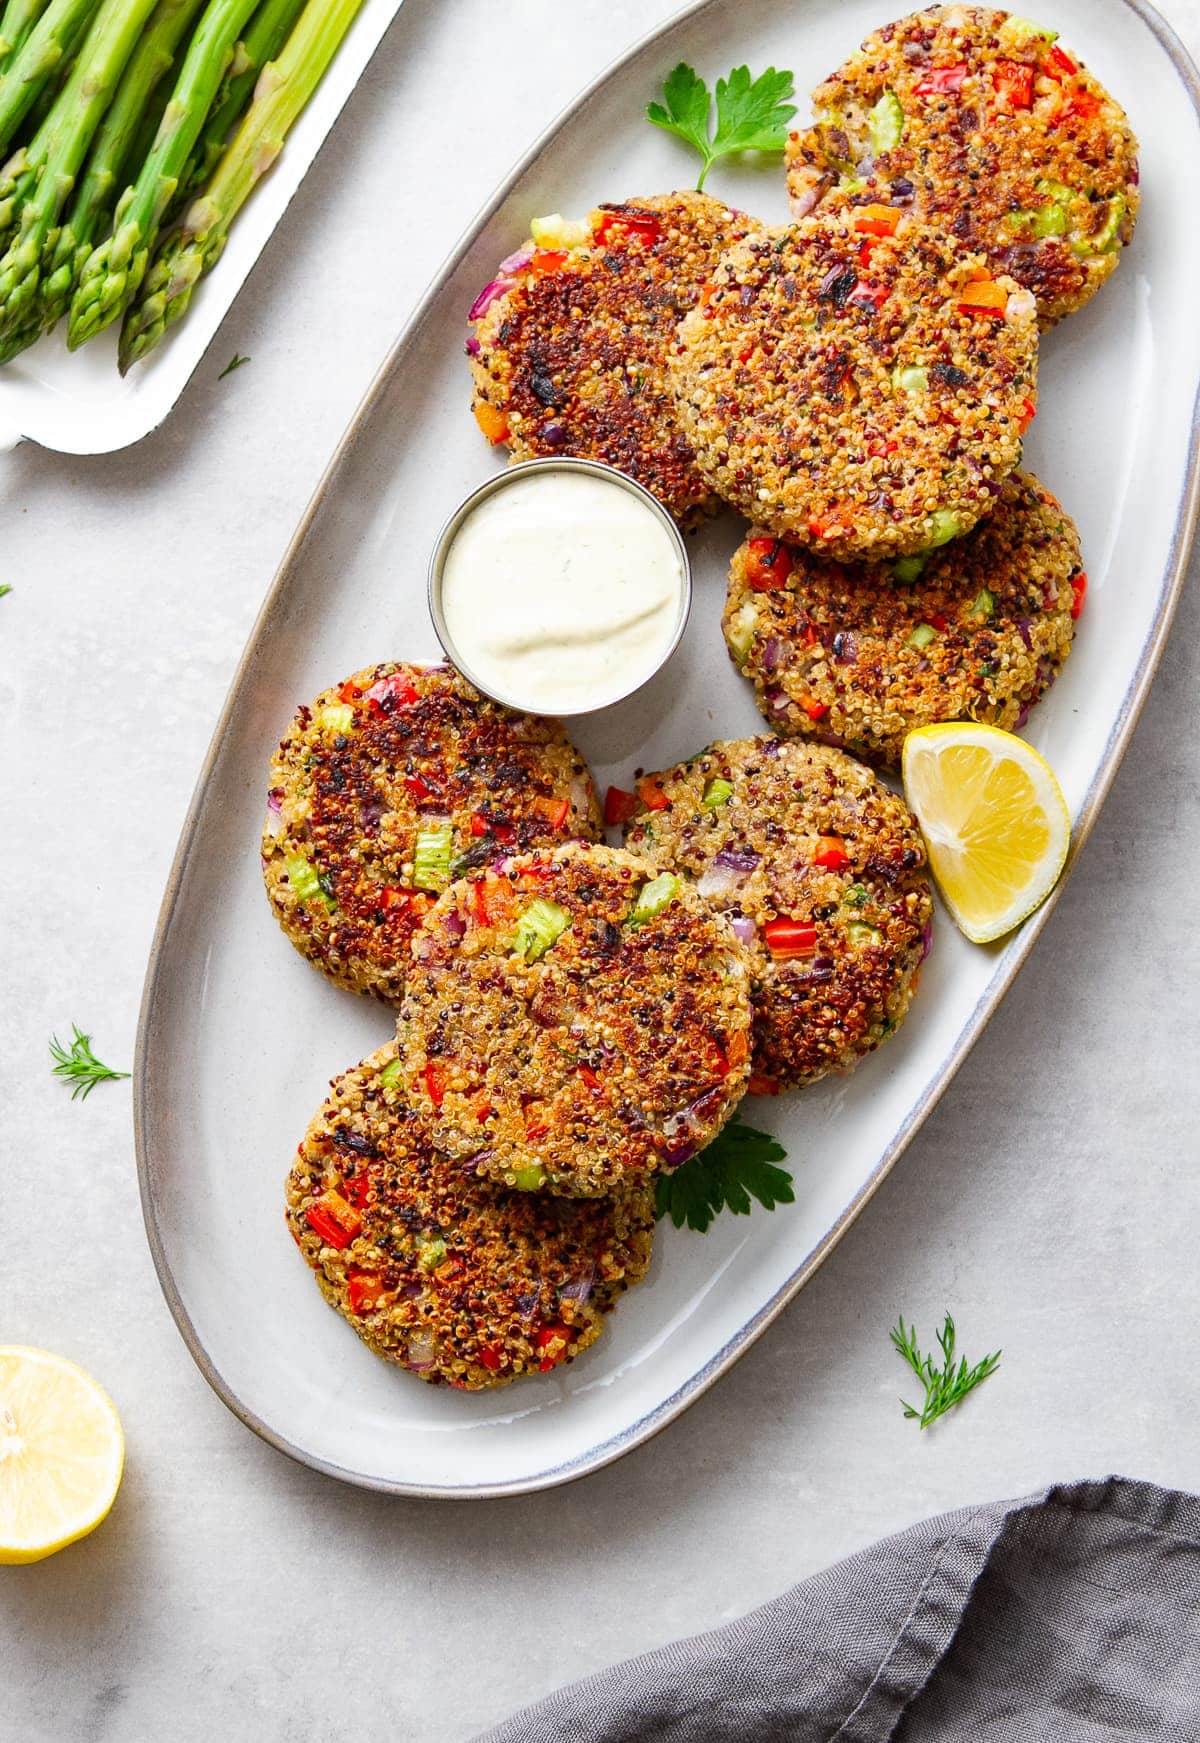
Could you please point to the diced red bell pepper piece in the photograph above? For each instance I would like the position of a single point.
(333, 1219)
(983, 296)
(879, 449)
(479, 823)
(1028, 413)
(652, 795)
(1058, 64)
(435, 1083)
(814, 709)
(939, 621)
(1079, 593)
(830, 853)
(417, 787)
(391, 897)
(388, 693)
(349, 692)
(1013, 83)
(789, 938)
(875, 294)
(826, 526)
(942, 81)
(554, 1341)
(356, 1189)
(555, 811)
(759, 1085)
(644, 225)
(492, 421)
(493, 1358)
(534, 1133)
(548, 260)
(590, 1077)
(768, 564)
(620, 806)
(876, 220)
(365, 1291)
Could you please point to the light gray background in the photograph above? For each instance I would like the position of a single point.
(1052, 1201)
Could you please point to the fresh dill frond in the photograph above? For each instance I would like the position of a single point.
(946, 1386)
(78, 1065)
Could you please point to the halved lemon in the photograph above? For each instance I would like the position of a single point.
(61, 1453)
(994, 820)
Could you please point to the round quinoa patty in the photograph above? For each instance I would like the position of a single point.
(568, 356)
(388, 786)
(996, 133)
(451, 1278)
(856, 383)
(575, 1021)
(859, 655)
(821, 870)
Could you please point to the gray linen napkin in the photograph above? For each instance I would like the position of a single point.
(1072, 1616)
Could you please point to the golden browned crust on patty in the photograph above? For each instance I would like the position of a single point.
(1005, 141)
(396, 754)
(588, 1062)
(438, 1271)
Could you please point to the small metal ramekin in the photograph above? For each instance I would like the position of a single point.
(501, 481)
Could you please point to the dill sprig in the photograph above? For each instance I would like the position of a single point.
(945, 1386)
(78, 1065)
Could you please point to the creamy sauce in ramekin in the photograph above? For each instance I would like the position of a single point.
(562, 591)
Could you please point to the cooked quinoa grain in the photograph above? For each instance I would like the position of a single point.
(386, 788)
(857, 383)
(574, 1021)
(437, 1271)
(995, 131)
(821, 869)
(568, 356)
(859, 655)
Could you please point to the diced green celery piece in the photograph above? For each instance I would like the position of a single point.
(430, 1252)
(431, 857)
(390, 1072)
(303, 879)
(909, 568)
(886, 124)
(654, 897)
(1020, 29)
(740, 632)
(528, 1179)
(852, 185)
(718, 792)
(857, 896)
(555, 231)
(862, 936)
(921, 636)
(335, 717)
(984, 603)
(946, 526)
(538, 928)
(911, 380)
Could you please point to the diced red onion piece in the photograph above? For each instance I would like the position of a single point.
(274, 823)
(845, 648)
(421, 1351)
(745, 928)
(770, 653)
(454, 924)
(471, 347)
(1024, 625)
(580, 1289)
(554, 434)
(515, 262)
(491, 292)
(926, 939)
(675, 1155)
(275, 799)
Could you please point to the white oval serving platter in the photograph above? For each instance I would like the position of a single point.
(239, 1036)
(77, 402)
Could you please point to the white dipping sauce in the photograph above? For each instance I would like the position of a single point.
(561, 591)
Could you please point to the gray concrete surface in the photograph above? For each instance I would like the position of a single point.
(1053, 1200)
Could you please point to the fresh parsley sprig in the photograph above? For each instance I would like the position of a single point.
(752, 114)
(78, 1065)
(946, 1386)
(235, 362)
(737, 1166)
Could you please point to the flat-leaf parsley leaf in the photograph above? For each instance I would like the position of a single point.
(78, 1065)
(752, 114)
(945, 1386)
(736, 1167)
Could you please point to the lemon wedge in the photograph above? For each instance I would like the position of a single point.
(61, 1453)
(994, 820)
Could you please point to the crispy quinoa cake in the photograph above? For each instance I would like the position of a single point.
(568, 353)
(387, 787)
(856, 383)
(985, 123)
(437, 1271)
(820, 869)
(860, 654)
(574, 1020)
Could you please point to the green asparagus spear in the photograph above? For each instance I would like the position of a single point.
(113, 151)
(265, 36)
(72, 126)
(112, 273)
(19, 18)
(284, 87)
(27, 73)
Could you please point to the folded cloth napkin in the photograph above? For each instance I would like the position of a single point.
(1072, 1616)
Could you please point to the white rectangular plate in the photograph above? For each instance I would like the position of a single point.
(77, 401)
(239, 1036)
